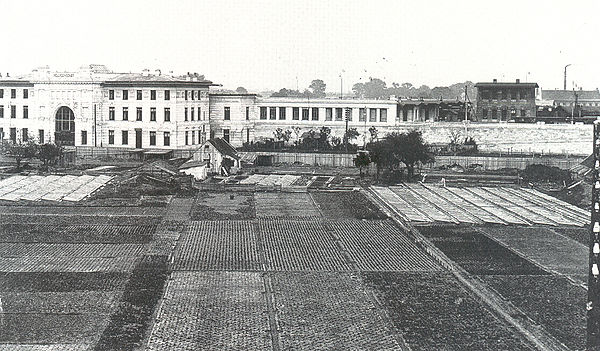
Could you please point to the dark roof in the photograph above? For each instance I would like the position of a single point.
(224, 147)
(569, 95)
(505, 85)
(233, 94)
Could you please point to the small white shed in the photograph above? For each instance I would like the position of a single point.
(213, 152)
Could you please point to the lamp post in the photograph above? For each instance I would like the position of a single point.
(565, 78)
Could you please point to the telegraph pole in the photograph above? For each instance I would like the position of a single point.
(593, 302)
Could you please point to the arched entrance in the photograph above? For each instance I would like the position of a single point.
(65, 127)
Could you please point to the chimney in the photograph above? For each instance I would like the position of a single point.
(495, 80)
(157, 72)
(7, 75)
(518, 81)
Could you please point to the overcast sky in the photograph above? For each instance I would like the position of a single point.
(274, 44)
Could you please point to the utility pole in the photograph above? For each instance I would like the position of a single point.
(565, 78)
(593, 297)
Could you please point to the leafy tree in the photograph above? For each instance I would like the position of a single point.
(373, 131)
(241, 90)
(350, 134)
(379, 153)
(20, 151)
(361, 161)
(408, 148)
(296, 131)
(317, 88)
(282, 135)
(375, 88)
(287, 93)
(49, 153)
(324, 134)
(335, 141)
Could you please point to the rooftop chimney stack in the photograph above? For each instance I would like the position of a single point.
(518, 81)
(495, 80)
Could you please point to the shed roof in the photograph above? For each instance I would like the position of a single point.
(224, 147)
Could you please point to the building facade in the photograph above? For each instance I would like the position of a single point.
(506, 102)
(96, 107)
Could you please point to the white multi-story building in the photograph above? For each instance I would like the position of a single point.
(152, 110)
(96, 107)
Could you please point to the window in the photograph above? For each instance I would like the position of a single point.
(152, 94)
(125, 94)
(372, 115)
(138, 114)
(139, 95)
(523, 112)
(84, 137)
(226, 135)
(186, 97)
(295, 113)
(503, 117)
(1, 93)
(193, 133)
(199, 134)
(485, 95)
(167, 114)
(282, 113)
(124, 137)
(25, 93)
(227, 113)
(494, 113)
(25, 134)
(484, 113)
(25, 112)
(192, 114)
(152, 114)
(383, 115)
(315, 113)
(1, 111)
(263, 113)
(125, 113)
(185, 114)
(513, 113)
(338, 113)
(152, 138)
(272, 112)
(305, 114)
(13, 93)
(167, 95)
(13, 111)
(362, 114)
(111, 94)
(328, 114)
(1, 133)
(41, 136)
(13, 135)
(167, 139)
(524, 95)
(247, 113)
(111, 113)
(111, 137)
(192, 95)
(186, 137)
(504, 94)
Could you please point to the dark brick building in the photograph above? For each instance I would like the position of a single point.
(506, 102)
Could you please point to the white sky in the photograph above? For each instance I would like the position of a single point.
(267, 44)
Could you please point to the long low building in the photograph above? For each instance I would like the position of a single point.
(94, 106)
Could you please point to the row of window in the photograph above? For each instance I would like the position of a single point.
(227, 113)
(187, 94)
(313, 113)
(24, 135)
(125, 138)
(13, 93)
(13, 111)
(201, 136)
(505, 94)
(189, 114)
(493, 113)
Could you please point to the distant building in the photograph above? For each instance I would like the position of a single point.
(568, 98)
(568, 106)
(506, 102)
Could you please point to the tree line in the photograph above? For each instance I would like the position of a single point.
(376, 88)
(48, 153)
